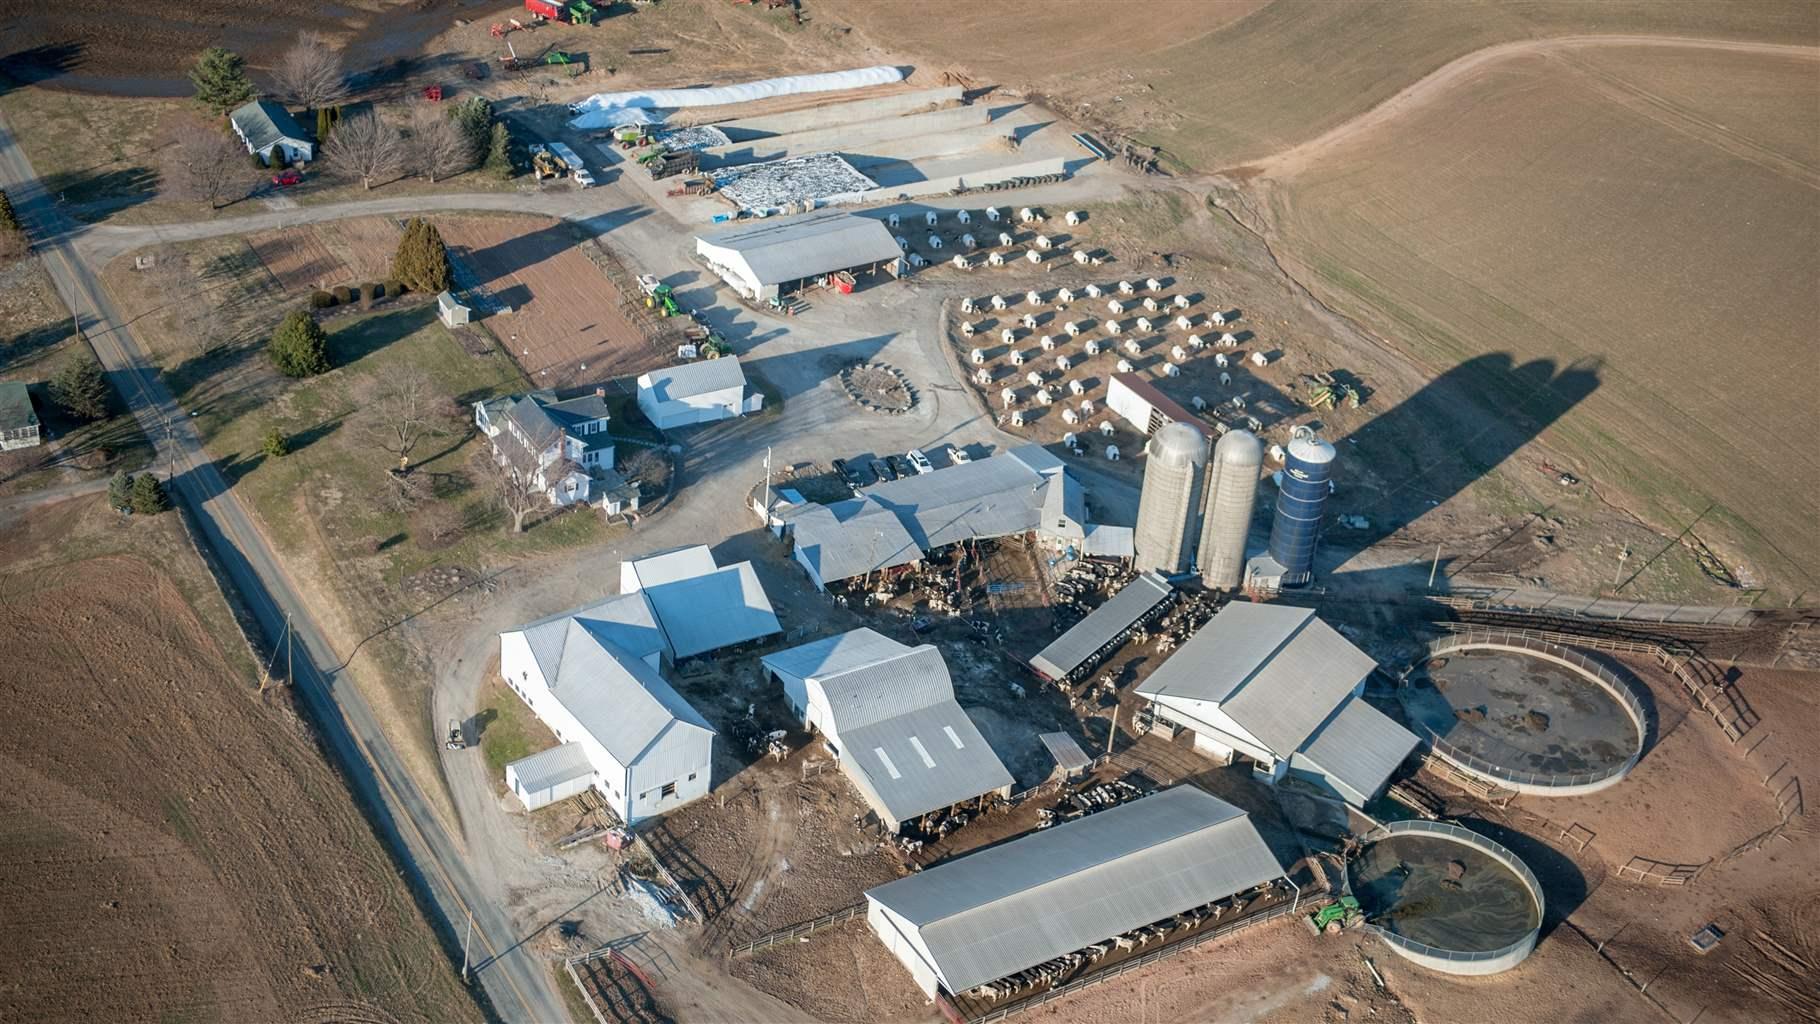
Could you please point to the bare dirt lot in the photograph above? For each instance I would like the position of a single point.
(176, 846)
(349, 252)
(568, 323)
(1418, 226)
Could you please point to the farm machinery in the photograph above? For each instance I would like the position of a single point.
(1342, 913)
(659, 296)
(661, 163)
(1326, 392)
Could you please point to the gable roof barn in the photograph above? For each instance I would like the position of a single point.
(851, 538)
(624, 620)
(1000, 910)
(1276, 670)
(717, 609)
(779, 250)
(619, 699)
(687, 380)
(1357, 749)
(904, 741)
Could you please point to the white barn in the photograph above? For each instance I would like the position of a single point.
(700, 392)
(1278, 688)
(1004, 909)
(889, 714)
(592, 676)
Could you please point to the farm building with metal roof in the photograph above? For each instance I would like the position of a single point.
(1007, 908)
(777, 256)
(1091, 639)
(591, 675)
(896, 522)
(1277, 686)
(700, 606)
(698, 392)
(888, 712)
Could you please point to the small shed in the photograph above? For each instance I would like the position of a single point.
(1070, 759)
(18, 420)
(452, 312)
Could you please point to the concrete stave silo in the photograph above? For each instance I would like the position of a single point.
(1232, 491)
(1169, 504)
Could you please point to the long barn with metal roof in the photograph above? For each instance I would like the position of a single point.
(776, 256)
(1007, 908)
(1091, 639)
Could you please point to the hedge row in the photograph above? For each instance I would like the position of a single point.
(344, 294)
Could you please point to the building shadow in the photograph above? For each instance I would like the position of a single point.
(1460, 426)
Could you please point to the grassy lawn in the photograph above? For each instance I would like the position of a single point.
(508, 731)
(99, 150)
(36, 337)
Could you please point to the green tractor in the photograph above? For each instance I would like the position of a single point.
(1333, 917)
(658, 296)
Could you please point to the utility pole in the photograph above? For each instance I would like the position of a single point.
(290, 645)
(1113, 729)
(464, 948)
(1436, 567)
(767, 512)
(1622, 557)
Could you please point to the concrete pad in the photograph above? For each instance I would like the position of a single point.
(858, 137)
(894, 105)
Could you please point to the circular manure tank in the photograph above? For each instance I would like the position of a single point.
(1525, 714)
(1447, 898)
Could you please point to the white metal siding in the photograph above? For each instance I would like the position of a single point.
(897, 936)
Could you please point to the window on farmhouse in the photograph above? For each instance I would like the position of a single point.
(669, 790)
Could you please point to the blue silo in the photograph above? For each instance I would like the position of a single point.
(1301, 503)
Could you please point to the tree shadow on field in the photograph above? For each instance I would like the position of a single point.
(1456, 429)
(39, 64)
(362, 338)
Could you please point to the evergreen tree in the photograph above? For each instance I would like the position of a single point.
(79, 387)
(148, 495)
(299, 347)
(274, 445)
(220, 80)
(9, 221)
(422, 262)
(120, 491)
(499, 153)
(474, 116)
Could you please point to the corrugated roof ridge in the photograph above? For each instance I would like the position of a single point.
(1030, 886)
(1265, 661)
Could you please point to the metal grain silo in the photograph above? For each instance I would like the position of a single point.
(1169, 505)
(1301, 502)
(1232, 491)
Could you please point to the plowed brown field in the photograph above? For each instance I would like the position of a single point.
(566, 325)
(173, 847)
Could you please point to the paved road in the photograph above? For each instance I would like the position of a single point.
(517, 982)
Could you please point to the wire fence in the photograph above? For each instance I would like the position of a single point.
(1620, 689)
(1513, 951)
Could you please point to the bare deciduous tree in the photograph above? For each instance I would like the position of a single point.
(511, 471)
(195, 313)
(366, 146)
(310, 74)
(203, 163)
(436, 145)
(402, 410)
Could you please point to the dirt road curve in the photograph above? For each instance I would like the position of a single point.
(515, 980)
(1298, 158)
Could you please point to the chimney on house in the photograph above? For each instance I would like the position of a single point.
(600, 391)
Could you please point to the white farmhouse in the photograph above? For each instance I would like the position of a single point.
(1274, 686)
(269, 130)
(889, 714)
(574, 451)
(701, 392)
(592, 676)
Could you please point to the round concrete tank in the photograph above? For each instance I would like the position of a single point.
(1169, 505)
(1301, 504)
(1232, 492)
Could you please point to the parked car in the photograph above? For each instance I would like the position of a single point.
(919, 461)
(855, 476)
(583, 178)
(900, 466)
(882, 470)
(960, 456)
(287, 178)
